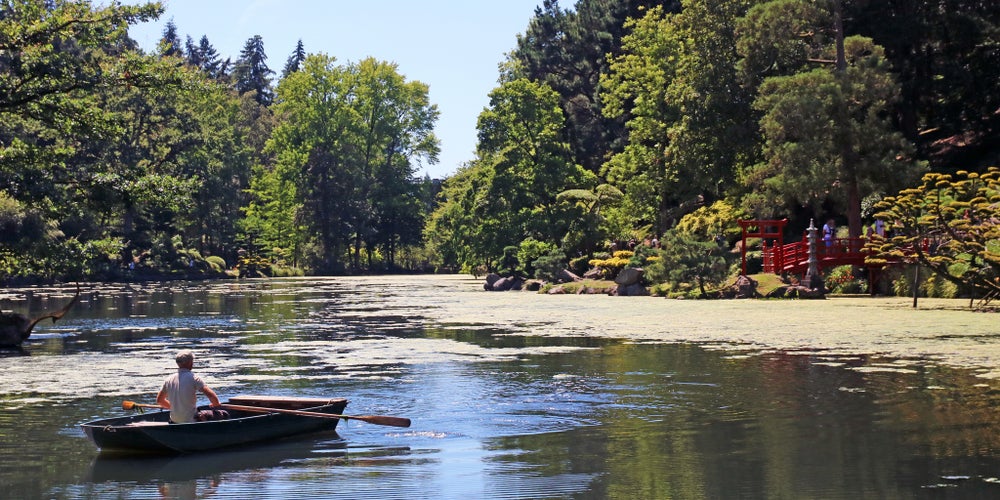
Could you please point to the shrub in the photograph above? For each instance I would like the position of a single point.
(218, 264)
(508, 263)
(937, 287)
(610, 267)
(841, 279)
(709, 222)
(549, 266)
(642, 256)
(688, 264)
(579, 265)
(531, 250)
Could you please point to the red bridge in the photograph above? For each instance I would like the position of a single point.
(793, 258)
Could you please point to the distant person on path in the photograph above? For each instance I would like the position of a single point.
(179, 391)
(828, 231)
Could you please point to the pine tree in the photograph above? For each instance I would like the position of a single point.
(170, 42)
(251, 72)
(209, 60)
(295, 60)
(193, 54)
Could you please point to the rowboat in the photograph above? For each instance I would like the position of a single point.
(251, 419)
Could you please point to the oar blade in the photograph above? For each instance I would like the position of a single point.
(384, 420)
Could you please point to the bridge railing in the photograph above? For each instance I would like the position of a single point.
(794, 257)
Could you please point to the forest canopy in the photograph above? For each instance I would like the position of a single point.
(611, 121)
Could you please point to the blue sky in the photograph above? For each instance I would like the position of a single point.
(454, 46)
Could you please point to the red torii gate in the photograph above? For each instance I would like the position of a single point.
(763, 229)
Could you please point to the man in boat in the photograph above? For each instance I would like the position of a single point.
(179, 391)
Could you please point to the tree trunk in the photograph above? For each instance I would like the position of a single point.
(849, 158)
(356, 259)
(838, 28)
(853, 204)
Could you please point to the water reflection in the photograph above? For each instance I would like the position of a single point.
(183, 468)
(528, 398)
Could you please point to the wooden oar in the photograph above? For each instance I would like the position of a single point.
(371, 419)
(131, 405)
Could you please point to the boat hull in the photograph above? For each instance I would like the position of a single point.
(152, 432)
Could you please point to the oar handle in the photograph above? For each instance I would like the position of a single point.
(128, 405)
(371, 419)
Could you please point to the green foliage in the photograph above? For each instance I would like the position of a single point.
(610, 266)
(251, 72)
(580, 265)
(550, 265)
(937, 286)
(708, 223)
(567, 50)
(217, 264)
(949, 225)
(828, 135)
(643, 255)
(509, 265)
(948, 64)
(509, 193)
(841, 279)
(531, 250)
(589, 229)
(110, 157)
(688, 264)
(343, 176)
(690, 127)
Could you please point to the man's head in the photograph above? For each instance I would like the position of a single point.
(185, 359)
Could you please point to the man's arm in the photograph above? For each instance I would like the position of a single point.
(161, 399)
(212, 398)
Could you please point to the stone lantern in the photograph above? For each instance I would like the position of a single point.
(813, 279)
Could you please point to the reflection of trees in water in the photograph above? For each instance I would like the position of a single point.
(793, 425)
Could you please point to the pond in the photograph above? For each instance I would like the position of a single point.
(514, 395)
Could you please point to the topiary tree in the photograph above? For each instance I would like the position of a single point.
(949, 224)
(549, 267)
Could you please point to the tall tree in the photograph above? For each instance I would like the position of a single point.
(523, 164)
(347, 145)
(827, 129)
(104, 140)
(946, 56)
(170, 41)
(689, 121)
(398, 121)
(294, 62)
(203, 56)
(251, 73)
(568, 50)
(191, 52)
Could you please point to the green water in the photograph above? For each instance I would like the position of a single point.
(515, 395)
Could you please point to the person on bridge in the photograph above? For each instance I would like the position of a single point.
(828, 231)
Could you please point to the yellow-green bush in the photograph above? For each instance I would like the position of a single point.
(218, 264)
(611, 267)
